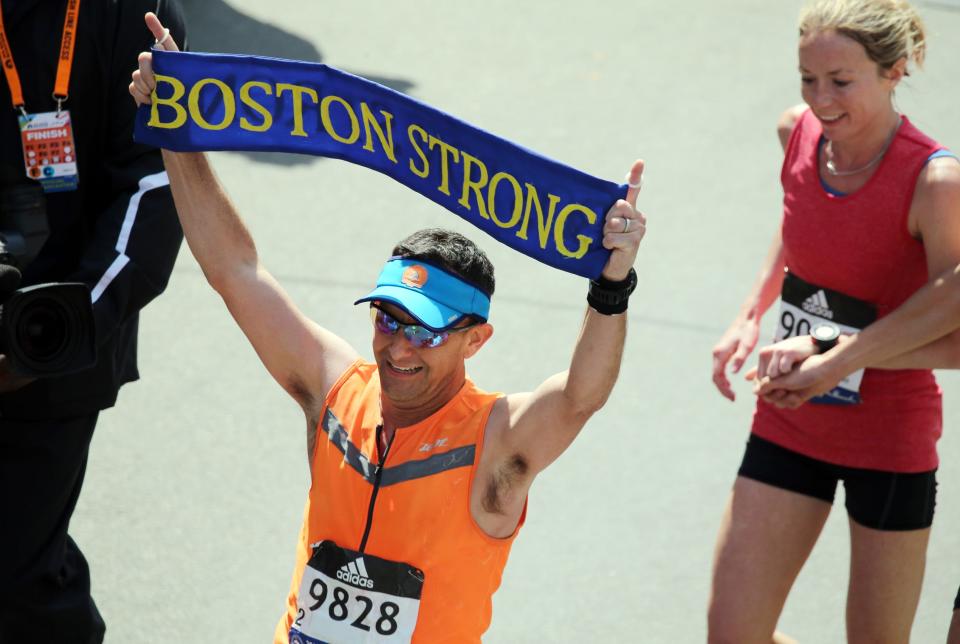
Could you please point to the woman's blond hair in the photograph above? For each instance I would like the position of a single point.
(888, 29)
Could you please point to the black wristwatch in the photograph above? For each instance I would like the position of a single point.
(609, 297)
(825, 335)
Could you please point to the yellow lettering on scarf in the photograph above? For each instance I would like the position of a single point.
(469, 184)
(247, 100)
(179, 110)
(425, 172)
(517, 199)
(543, 227)
(583, 239)
(480, 188)
(297, 91)
(328, 122)
(229, 104)
(444, 162)
(370, 121)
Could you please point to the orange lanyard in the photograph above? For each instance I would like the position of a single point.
(64, 63)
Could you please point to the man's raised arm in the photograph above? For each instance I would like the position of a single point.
(303, 357)
(542, 424)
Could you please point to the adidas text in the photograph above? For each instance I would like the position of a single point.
(355, 573)
(354, 578)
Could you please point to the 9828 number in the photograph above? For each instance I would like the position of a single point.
(337, 609)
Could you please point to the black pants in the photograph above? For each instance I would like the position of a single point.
(44, 579)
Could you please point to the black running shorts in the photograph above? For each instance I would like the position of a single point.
(875, 499)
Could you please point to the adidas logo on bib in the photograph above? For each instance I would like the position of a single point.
(355, 574)
(816, 304)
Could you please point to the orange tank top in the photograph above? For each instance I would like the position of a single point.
(415, 508)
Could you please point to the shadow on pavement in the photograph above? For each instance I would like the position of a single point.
(215, 26)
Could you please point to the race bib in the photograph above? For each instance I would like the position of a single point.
(49, 153)
(803, 306)
(348, 597)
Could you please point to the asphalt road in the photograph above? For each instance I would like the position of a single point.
(196, 481)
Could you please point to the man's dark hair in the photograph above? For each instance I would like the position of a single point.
(453, 253)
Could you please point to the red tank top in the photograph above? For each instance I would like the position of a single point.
(859, 245)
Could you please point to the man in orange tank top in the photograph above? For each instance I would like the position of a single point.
(419, 479)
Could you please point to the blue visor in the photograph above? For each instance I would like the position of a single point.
(436, 298)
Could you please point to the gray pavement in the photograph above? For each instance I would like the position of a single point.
(197, 478)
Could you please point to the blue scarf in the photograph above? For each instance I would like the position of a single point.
(537, 206)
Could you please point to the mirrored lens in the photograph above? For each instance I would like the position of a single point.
(423, 337)
(383, 322)
(417, 335)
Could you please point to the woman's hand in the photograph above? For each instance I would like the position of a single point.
(733, 348)
(780, 358)
(791, 372)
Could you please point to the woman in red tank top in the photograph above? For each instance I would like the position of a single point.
(871, 211)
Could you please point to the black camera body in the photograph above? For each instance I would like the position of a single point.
(45, 329)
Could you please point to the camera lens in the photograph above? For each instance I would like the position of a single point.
(42, 332)
(48, 329)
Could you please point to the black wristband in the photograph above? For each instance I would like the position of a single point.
(610, 298)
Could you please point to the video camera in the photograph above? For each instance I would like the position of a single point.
(45, 329)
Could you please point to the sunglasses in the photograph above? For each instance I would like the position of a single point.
(416, 334)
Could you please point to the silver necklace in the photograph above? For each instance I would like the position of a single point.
(832, 169)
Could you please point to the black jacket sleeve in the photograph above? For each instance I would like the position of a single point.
(135, 239)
